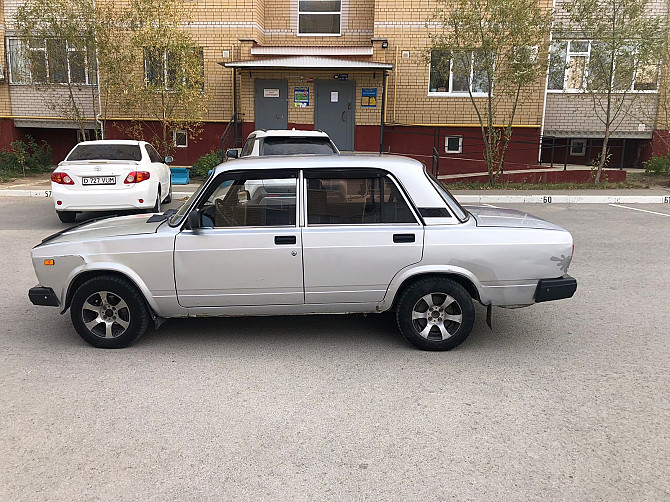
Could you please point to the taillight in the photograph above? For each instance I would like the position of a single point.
(137, 176)
(61, 178)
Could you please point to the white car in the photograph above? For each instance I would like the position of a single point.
(262, 143)
(339, 234)
(110, 175)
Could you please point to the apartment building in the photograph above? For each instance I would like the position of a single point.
(357, 69)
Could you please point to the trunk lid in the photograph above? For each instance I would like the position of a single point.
(511, 218)
(98, 174)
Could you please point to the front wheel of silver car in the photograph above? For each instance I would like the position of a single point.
(109, 312)
(435, 314)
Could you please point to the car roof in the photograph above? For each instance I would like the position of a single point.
(112, 142)
(395, 164)
(264, 133)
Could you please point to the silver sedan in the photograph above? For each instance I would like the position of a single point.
(325, 234)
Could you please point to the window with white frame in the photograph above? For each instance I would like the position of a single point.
(162, 66)
(577, 147)
(50, 61)
(458, 72)
(319, 17)
(180, 139)
(576, 65)
(453, 144)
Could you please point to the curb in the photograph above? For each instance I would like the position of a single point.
(547, 198)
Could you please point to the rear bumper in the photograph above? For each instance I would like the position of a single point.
(39, 295)
(555, 289)
(103, 199)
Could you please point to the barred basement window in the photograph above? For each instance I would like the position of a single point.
(180, 139)
(453, 144)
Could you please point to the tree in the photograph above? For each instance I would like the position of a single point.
(58, 40)
(496, 51)
(157, 76)
(625, 46)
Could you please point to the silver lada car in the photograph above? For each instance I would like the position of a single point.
(340, 234)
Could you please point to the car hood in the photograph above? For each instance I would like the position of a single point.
(511, 218)
(108, 227)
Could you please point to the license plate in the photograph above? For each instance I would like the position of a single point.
(99, 180)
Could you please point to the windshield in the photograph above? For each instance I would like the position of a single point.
(181, 212)
(451, 201)
(296, 145)
(106, 152)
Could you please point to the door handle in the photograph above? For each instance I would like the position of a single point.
(285, 239)
(399, 238)
(343, 119)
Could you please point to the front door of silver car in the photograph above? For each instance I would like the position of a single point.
(248, 251)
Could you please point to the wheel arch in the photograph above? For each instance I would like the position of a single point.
(462, 279)
(86, 275)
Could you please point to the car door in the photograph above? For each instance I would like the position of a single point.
(360, 232)
(249, 251)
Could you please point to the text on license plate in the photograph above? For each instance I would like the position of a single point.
(99, 180)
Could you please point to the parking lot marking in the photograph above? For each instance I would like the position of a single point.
(641, 210)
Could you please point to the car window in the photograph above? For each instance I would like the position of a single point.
(296, 145)
(106, 152)
(248, 147)
(154, 156)
(243, 201)
(356, 201)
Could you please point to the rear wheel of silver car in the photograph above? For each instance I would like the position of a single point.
(66, 216)
(435, 314)
(109, 312)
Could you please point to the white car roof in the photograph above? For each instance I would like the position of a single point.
(112, 142)
(263, 133)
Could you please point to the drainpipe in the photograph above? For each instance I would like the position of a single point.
(381, 129)
(235, 104)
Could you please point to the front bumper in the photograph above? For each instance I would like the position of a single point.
(555, 289)
(39, 295)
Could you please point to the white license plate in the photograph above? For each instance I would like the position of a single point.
(99, 180)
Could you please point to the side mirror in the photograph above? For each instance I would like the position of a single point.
(168, 160)
(243, 196)
(232, 153)
(194, 222)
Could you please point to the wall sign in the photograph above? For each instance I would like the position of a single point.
(369, 97)
(334, 96)
(341, 76)
(270, 93)
(301, 97)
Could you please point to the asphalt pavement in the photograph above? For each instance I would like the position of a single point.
(567, 400)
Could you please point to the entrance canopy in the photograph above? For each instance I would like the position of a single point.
(313, 62)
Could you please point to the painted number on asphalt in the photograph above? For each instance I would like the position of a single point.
(47, 193)
(666, 200)
(546, 200)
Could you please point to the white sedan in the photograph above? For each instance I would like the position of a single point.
(110, 175)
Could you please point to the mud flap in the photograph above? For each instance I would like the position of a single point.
(489, 315)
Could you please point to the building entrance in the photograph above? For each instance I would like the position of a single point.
(334, 112)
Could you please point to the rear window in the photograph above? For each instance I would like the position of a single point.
(296, 145)
(106, 152)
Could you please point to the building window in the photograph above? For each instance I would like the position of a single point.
(577, 147)
(577, 65)
(458, 73)
(319, 17)
(180, 139)
(453, 144)
(162, 66)
(50, 61)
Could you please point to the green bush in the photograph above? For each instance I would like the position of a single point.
(24, 158)
(658, 165)
(206, 163)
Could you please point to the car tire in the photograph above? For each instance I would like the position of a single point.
(109, 312)
(66, 216)
(435, 314)
(168, 199)
(157, 205)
